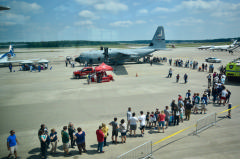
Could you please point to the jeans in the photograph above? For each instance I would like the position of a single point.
(176, 119)
(100, 146)
(44, 149)
(105, 141)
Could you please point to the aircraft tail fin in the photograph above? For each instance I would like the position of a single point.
(158, 41)
(11, 52)
(234, 42)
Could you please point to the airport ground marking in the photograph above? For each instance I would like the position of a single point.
(178, 132)
(228, 109)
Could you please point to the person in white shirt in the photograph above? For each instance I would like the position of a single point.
(129, 115)
(133, 124)
(223, 96)
(142, 120)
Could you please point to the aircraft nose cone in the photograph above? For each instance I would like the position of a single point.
(77, 59)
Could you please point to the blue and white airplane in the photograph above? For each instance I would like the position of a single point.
(119, 56)
(4, 58)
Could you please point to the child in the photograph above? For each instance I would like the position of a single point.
(229, 110)
(147, 119)
(177, 78)
(152, 119)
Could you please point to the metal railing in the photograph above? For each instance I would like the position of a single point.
(141, 152)
(206, 122)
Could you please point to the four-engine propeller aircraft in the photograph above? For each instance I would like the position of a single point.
(119, 56)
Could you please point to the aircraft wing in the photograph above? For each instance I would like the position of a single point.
(120, 56)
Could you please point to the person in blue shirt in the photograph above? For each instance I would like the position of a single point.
(12, 144)
(54, 140)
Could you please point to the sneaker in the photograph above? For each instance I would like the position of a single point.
(102, 152)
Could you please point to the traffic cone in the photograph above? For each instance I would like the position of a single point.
(136, 75)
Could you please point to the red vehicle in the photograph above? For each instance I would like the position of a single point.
(83, 72)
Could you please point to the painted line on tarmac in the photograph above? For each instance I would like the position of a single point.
(228, 109)
(178, 132)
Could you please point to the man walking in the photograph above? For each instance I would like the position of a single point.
(185, 78)
(12, 144)
(169, 73)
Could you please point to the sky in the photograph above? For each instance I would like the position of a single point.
(118, 20)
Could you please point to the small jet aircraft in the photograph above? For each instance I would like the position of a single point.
(119, 56)
(4, 58)
(223, 47)
(205, 47)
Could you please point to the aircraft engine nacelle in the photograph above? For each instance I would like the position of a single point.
(106, 55)
(9, 55)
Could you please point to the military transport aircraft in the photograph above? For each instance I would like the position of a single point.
(119, 56)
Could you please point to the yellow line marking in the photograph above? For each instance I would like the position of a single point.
(228, 109)
(178, 132)
(173, 134)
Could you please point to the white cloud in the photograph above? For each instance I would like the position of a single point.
(126, 23)
(111, 6)
(214, 8)
(143, 11)
(104, 5)
(161, 9)
(13, 19)
(121, 23)
(81, 23)
(25, 7)
(185, 22)
(87, 14)
(140, 22)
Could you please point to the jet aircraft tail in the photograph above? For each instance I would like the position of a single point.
(234, 42)
(158, 41)
(11, 52)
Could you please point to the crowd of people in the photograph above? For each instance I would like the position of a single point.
(158, 120)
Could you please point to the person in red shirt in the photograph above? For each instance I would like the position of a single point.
(179, 97)
(161, 121)
(100, 139)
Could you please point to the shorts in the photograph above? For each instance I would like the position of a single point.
(133, 127)
(115, 133)
(161, 123)
(65, 146)
(224, 98)
(167, 119)
(203, 106)
(142, 127)
(196, 106)
(13, 149)
(123, 134)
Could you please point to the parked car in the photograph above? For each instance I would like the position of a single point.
(213, 60)
(83, 72)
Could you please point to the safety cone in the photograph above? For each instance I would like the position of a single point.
(136, 75)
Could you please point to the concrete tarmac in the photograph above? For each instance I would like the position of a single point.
(53, 97)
